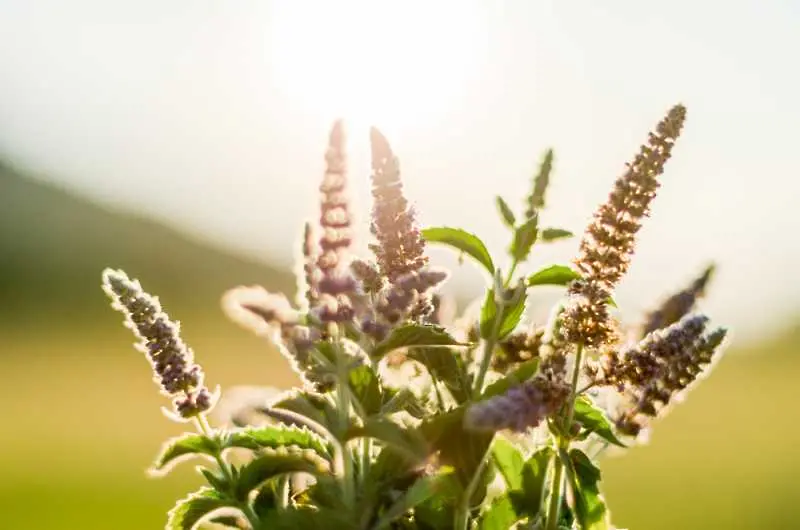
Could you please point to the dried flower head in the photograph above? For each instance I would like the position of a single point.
(608, 242)
(400, 248)
(403, 298)
(517, 348)
(678, 305)
(662, 365)
(159, 339)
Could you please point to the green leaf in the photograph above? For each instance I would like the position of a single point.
(438, 512)
(313, 406)
(594, 420)
(420, 491)
(215, 480)
(461, 240)
(524, 238)
(553, 275)
(590, 508)
(520, 374)
(188, 513)
(275, 463)
(402, 439)
(366, 388)
(459, 448)
(505, 212)
(274, 436)
(414, 335)
(182, 448)
(501, 515)
(534, 475)
(446, 366)
(554, 234)
(511, 316)
(509, 462)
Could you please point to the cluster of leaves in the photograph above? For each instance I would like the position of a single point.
(374, 450)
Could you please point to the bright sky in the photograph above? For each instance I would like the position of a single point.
(213, 114)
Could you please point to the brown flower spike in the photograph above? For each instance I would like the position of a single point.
(609, 240)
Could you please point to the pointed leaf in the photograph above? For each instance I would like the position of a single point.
(414, 335)
(275, 463)
(402, 439)
(505, 212)
(461, 240)
(590, 507)
(534, 475)
(554, 234)
(182, 448)
(446, 366)
(191, 511)
(501, 515)
(553, 275)
(510, 319)
(509, 462)
(366, 388)
(275, 436)
(524, 238)
(215, 480)
(519, 375)
(462, 449)
(420, 491)
(313, 406)
(594, 420)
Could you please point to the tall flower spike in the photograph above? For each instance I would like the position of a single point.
(159, 339)
(608, 242)
(307, 280)
(400, 248)
(336, 284)
(665, 363)
(678, 305)
(540, 183)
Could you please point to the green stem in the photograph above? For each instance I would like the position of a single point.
(488, 350)
(462, 513)
(343, 398)
(207, 431)
(557, 490)
(554, 510)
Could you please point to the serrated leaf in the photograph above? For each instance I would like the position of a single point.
(553, 275)
(188, 513)
(505, 212)
(525, 236)
(274, 464)
(509, 462)
(511, 316)
(501, 515)
(554, 234)
(407, 441)
(462, 240)
(366, 388)
(446, 366)
(534, 475)
(594, 420)
(590, 507)
(274, 436)
(414, 335)
(182, 448)
(520, 374)
(420, 491)
(315, 407)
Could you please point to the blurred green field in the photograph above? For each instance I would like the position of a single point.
(81, 417)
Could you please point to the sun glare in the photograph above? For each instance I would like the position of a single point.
(397, 65)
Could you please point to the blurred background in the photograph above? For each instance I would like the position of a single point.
(183, 141)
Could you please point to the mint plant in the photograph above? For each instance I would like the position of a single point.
(406, 419)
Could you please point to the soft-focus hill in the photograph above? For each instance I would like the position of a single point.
(54, 246)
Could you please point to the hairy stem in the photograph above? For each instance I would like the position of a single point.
(343, 405)
(462, 513)
(206, 430)
(554, 509)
